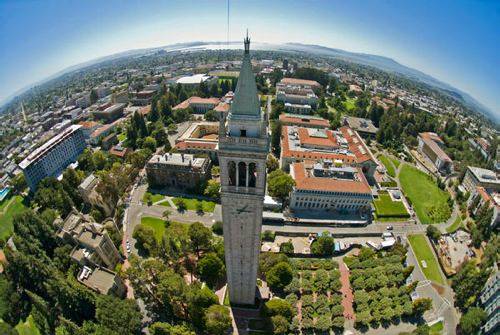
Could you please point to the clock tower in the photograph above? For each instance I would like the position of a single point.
(243, 149)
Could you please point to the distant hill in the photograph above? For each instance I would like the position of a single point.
(380, 62)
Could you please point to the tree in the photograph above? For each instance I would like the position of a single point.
(121, 316)
(269, 259)
(467, 284)
(287, 247)
(19, 183)
(217, 320)
(211, 116)
(200, 236)
(146, 240)
(433, 233)
(277, 306)
(272, 163)
(211, 269)
(199, 299)
(181, 205)
(280, 185)
(471, 322)
(7, 329)
(421, 305)
(163, 328)
(149, 143)
(276, 137)
(217, 228)
(279, 276)
(323, 245)
(93, 96)
(212, 189)
(280, 324)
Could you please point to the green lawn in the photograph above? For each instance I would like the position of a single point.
(208, 206)
(385, 207)
(430, 202)
(155, 197)
(388, 165)
(455, 225)
(437, 328)
(164, 203)
(8, 209)
(395, 161)
(157, 224)
(422, 251)
(28, 327)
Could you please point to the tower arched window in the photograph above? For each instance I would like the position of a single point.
(231, 168)
(242, 174)
(252, 174)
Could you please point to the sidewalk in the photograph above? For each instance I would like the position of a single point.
(347, 297)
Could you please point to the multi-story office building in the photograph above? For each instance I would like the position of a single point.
(54, 156)
(479, 177)
(182, 171)
(490, 299)
(329, 186)
(431, 146)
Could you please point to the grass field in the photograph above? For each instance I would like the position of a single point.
(8, 209)
(395, 161)
(208, 206)
(164, 204)
(430, 202)
(158, 225)
(388, 165)
(423, 252)
(154, 197)
(28, 327)
(122, 137)
(456, 224)
(437, 328)
(385, 207)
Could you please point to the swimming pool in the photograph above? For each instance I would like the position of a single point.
(3, 193)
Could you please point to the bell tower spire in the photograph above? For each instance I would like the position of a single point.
(246, 41)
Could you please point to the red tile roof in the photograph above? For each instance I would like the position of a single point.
(89, 124)
(305, 181)
(119, 152)
(306, 139)
(356, 145)
(145, 110)
(303, 82)
(185, 145)
(196, 100)
(222, 107)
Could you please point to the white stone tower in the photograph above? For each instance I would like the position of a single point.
(243, 149)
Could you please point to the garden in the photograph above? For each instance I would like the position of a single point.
(310, 302)
(391, 171)
(430, 202)
(386, 208)
(381, 296)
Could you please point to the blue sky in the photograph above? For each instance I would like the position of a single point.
(455, 41)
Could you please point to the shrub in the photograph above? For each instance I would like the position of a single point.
(280, 324)
(268, 236)
(323, 323)
(293, 287)
(307, 323)
(279, 276)
(337, 310)
(292, 299)
(287, 247)
(278, 306)
(307, 300)
(217, 228)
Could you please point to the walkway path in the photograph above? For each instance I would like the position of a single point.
(347, 296)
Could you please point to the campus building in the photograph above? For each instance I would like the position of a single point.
(102, 281)
(89, 194)
(308, 121)
(431, 146)
(490, 299)
(364, 127)
(198, 105)
(479, 177)
(109, 113)
(329, 186)
(200, 138)
(297, 95)
(50, 159)
(182, 171)
(343, 145)
(196, 79)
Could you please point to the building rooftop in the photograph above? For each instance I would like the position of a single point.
(197, 100)
(178, 159)
(54, 141)
(194, 79)
(329, 178)
(89, 182)
(432, 140)
(301, 82)
(98, 279)
(360, 124)
(484, 175)
(304, 120)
